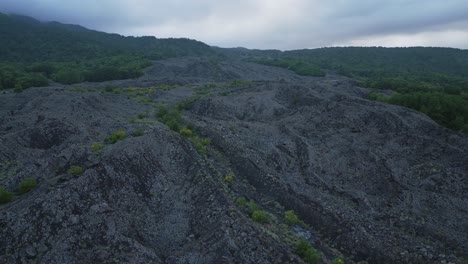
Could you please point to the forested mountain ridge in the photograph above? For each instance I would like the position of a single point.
(27, 40)
(34, 51)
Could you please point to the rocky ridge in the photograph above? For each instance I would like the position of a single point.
(372, 182)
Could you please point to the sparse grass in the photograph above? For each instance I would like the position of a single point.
(239, 83)
(201, 144)
(75, 170)
(185, 132)
(173, 119)
(115, 137)
(27, 185)
(143, 115)
(109, 88)
(241, 202)
(229, 178)
(338, 261)
(145, 100)
(96, 147)
(187, 104)
(138, 132)
(309, 254)
(290, 218)
(260, 216)
(5, 196)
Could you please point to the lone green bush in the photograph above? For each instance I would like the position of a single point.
(75, 170)
(138, 132)
(241, 201)
(229, 177)
(117, 136)
(290, 218)
(260, 216)
(5, 196)
(309, 254)
(338, 261)
(96, 147)
(185, 132)
(27, 185)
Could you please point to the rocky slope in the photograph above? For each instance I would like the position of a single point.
(372, 182)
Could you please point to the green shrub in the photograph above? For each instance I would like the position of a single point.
(96, 147)
(241, 201)
(18, 88)
(142, 115)
(5, 196)
(201, 144)
(252, 206)
(290, 218)
(185, 132)
(75, 170)
(171, 118)
(260, 216)
(338, 261)
(117, 136)
(229, 177)
(110, 88)
(307, 252)
(138, 132)
(27, 185)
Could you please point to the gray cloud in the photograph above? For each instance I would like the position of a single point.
(281, 24)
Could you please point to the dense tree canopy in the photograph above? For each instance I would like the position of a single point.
(33, 52)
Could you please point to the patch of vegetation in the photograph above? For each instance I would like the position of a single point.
(18, 88)
(138, 132)
(143, 115)
(260, 216)
(309, 254)
(115, 137)
(290, 218)
(201, 144)
(338, 261)
(27, 185)
(187, 104)
(170, 117)
(448, 110)
(241, 202)
(110, 88)
(173, 119)
(96, 147)
(185, 132)
(145, 100)
(229, 178)
(5, 196)
(75, 170)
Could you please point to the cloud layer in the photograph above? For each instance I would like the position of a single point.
(278, 24)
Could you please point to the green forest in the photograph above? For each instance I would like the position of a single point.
(34, 52)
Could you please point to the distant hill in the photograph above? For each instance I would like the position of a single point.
(34, 51)
(26, 39)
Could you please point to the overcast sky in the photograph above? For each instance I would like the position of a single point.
(278, 24)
